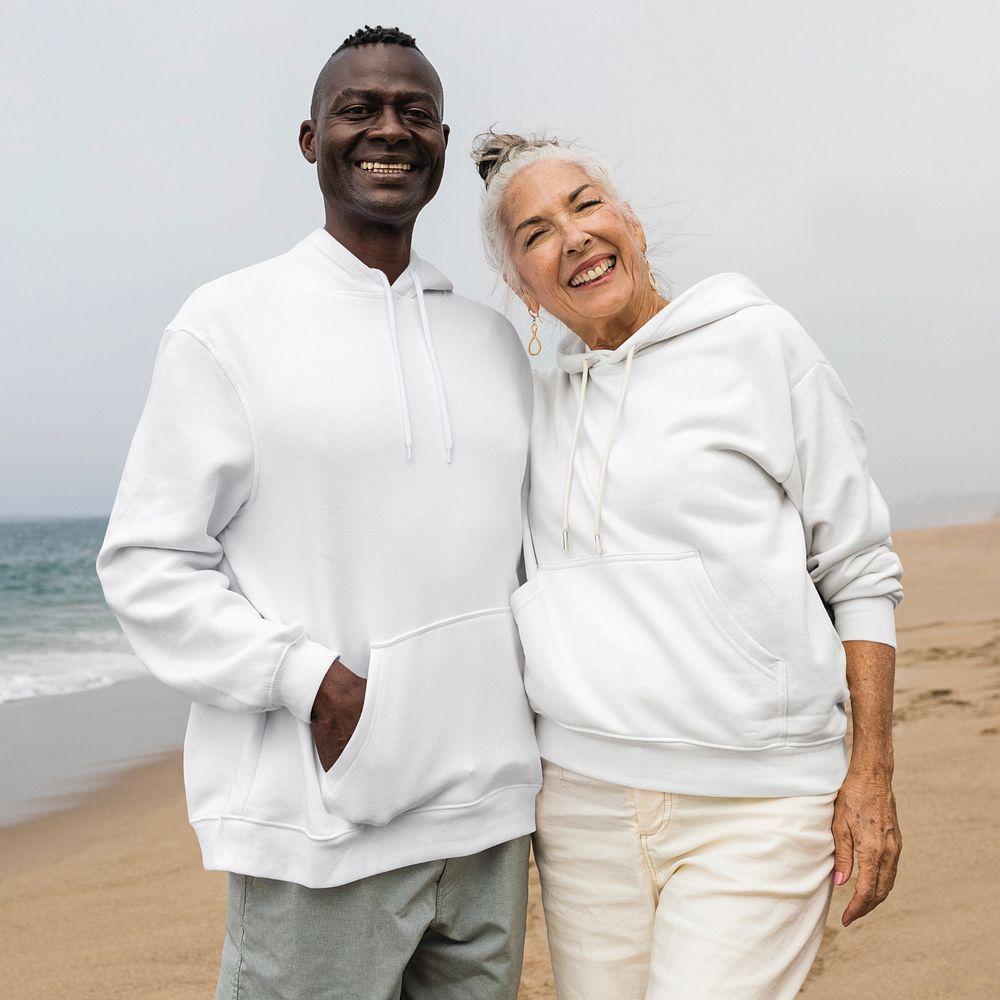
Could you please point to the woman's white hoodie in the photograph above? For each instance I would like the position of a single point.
(703, 536)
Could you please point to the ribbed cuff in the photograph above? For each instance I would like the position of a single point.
(299, 676)
(867, 618)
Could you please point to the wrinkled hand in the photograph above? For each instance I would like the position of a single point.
(865, 825)
(336, 711)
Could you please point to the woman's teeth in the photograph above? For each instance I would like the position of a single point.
(598, 271)
(385, 168)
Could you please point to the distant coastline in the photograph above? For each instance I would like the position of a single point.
(941, 510)
(932, 510)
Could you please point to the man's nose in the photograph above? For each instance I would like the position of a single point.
(389, 126)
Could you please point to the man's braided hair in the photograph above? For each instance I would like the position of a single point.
(378, 35)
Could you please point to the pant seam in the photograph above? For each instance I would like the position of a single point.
(666, 814)
(243, 931)
(647, 860)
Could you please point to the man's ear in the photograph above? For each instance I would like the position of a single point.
(446, 129)
(307, 140)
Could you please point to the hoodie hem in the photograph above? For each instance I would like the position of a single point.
(689, 769)
(289, 854)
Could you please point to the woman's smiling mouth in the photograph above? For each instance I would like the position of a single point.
(594, 272)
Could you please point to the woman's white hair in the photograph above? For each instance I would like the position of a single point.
(499, 158)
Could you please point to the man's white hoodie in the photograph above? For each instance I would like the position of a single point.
(704, 534)
(327, 467)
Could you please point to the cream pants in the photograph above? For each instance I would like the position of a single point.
(654, 896)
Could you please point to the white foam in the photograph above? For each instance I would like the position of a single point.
(34, 675)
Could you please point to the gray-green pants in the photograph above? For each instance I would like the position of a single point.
(443, 930)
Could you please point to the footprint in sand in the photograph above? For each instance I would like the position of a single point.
(931, 702)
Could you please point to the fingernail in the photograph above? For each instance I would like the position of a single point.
(839, 878)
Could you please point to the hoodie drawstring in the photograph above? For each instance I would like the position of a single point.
(603, 478)
(572, 456)
(432, 357)
(400, 384)
(607, 454)
(438, 381)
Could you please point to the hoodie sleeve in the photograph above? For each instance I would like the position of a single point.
(845, 519)
(189, 473)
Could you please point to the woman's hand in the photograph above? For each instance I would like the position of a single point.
(865, 824)
(864, 816)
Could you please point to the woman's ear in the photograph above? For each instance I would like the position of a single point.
(532, 304)
(636, 226)
(522, 293)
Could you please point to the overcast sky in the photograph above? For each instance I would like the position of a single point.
(844, 155)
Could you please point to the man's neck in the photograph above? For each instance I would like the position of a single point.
(383, 247)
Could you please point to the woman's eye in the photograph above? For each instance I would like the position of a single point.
(533, 237)
(588, 204)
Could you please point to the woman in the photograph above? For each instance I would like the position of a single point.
(709, 578)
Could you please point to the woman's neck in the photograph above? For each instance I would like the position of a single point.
(609, 334)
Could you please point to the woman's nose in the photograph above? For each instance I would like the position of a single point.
(576, 241)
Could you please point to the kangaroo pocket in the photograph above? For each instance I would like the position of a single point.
(445, 722)
(640, 647)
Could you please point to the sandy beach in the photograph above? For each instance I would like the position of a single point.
(106, 898)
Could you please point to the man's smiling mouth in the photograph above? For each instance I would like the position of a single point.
(373, 166)
(593, 273)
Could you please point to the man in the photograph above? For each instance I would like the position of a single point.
(316, 536)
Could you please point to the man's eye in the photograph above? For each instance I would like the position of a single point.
(356, 110)
(419, 114)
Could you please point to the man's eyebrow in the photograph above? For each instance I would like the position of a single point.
(353, 93)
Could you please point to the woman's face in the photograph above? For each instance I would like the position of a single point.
(575, 252)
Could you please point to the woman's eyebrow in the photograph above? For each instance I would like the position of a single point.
(527, 222)
(573, 195)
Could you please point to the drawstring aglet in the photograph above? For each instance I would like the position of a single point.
(597, 542)
(565, 540)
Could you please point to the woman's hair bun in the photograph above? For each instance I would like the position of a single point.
(491, 150)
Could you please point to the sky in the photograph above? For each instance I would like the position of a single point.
(845, 156)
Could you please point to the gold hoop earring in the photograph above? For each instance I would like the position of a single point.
(534, 345)
(649, 272)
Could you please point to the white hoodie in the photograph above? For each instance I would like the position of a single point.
(329, 467)
(710, 480)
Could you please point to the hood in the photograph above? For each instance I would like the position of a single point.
(357, 275)
(712, 299)
(353, 274)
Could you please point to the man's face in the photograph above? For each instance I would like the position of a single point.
(378, 141)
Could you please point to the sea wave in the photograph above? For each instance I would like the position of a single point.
(35, 675)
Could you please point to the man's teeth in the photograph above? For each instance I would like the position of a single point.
(385, 168)
(594, 273)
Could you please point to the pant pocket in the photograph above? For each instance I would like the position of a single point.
(640, 646)
(445, 722)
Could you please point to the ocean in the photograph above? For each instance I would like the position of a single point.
(57, 635)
